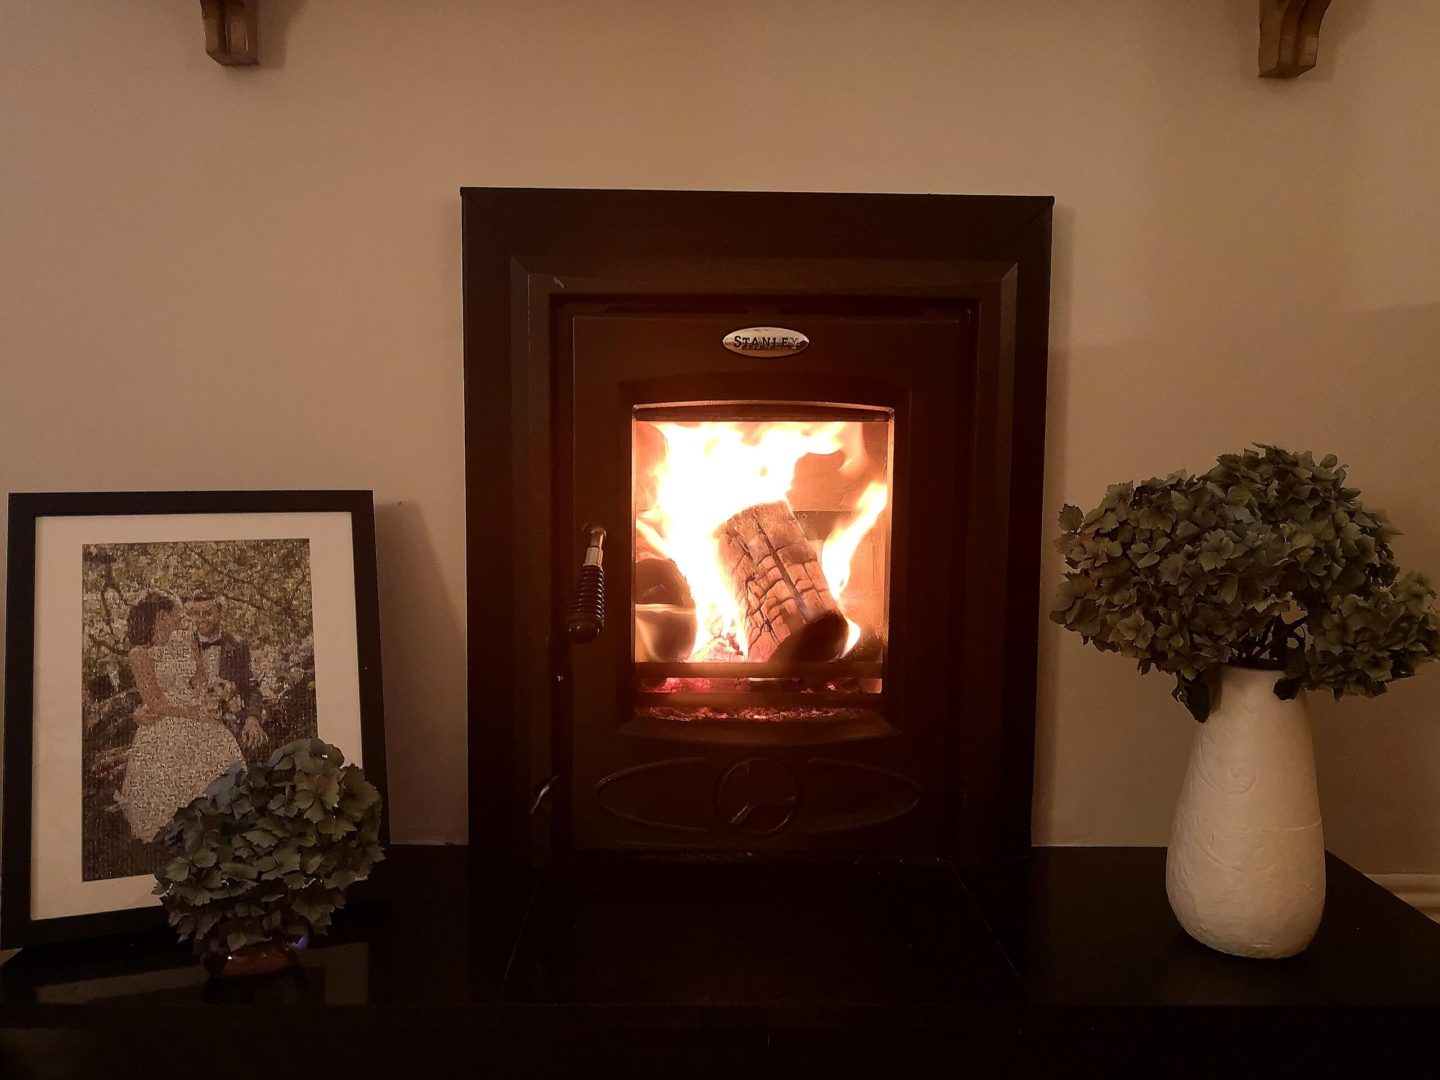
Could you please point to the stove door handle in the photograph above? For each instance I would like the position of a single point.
(585, 617)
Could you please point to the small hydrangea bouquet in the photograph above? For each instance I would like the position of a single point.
(265, 855)
(222, 701)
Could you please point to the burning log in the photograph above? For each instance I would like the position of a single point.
(664, 609)
(664, 632)
(775, 573)
(659, 581)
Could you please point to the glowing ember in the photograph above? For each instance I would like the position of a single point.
(701, 474)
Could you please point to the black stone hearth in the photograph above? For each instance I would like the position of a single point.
(1068, 959)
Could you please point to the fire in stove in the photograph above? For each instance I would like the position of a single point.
(761, 557)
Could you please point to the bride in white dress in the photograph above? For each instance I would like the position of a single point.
(179, 747)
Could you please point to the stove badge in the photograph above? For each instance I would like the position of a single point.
(766, 341)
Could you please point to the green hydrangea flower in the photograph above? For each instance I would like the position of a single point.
(1268, 560)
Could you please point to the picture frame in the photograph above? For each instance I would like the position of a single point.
(152, 639)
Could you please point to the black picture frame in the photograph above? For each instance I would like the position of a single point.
(17, 926)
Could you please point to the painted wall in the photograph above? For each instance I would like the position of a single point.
(250, 278)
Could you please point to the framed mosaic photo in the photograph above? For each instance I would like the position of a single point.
(154, 639)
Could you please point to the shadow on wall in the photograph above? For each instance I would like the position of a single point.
(1376, 759)
(276, 17)
(1244, 268)
(424, 674)
(1112, 746)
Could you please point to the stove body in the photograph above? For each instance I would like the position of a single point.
(811, 430)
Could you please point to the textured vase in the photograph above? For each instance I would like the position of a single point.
(1245, 870)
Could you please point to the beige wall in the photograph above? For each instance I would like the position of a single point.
(219, 278)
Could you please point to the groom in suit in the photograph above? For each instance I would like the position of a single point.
(227, 657)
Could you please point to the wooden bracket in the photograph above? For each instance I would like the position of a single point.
(1289, 36)
(231, 31)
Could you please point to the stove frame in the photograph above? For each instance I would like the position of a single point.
(537, 259)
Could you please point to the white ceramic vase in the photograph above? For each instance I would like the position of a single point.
(1245, 870)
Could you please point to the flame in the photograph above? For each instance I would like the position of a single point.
(711, 470)
(838, 555)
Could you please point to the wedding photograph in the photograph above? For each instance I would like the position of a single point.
(196, 655)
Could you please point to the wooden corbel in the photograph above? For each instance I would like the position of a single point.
(1289, 36)
(231, 35)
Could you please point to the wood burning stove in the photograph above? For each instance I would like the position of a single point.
(752, 501)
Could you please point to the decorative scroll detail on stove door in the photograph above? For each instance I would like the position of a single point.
(845, 795)
(757, 796)
(672, 794)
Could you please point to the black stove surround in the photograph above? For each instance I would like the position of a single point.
(587, 312)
